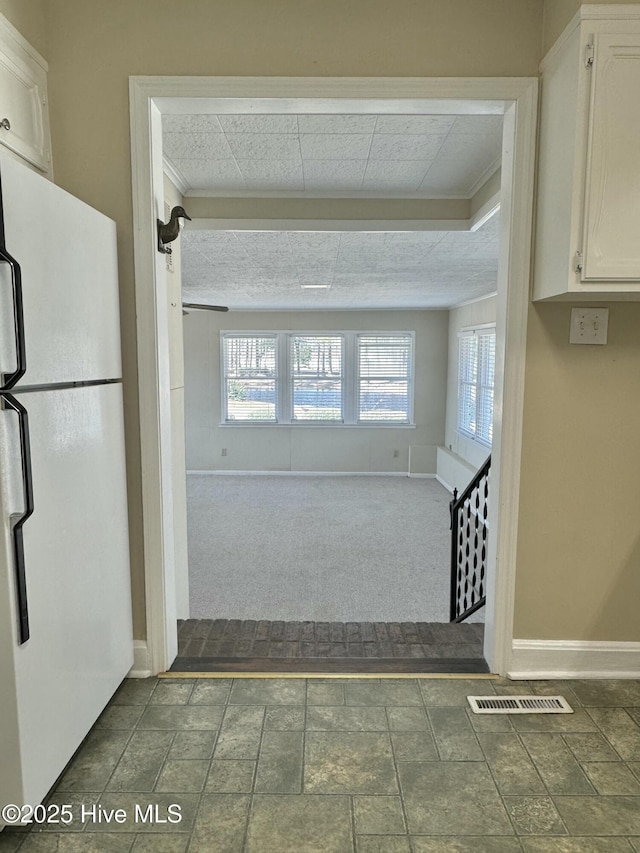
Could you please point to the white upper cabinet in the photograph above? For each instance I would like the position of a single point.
(587, 242)
(24, 117)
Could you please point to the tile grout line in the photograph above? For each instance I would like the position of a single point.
(395, 767)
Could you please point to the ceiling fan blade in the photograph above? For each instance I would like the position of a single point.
(199, 305)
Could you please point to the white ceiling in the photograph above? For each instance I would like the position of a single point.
(335, 155)
(265, 270)
(407, 156)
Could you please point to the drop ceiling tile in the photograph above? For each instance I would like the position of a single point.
(414, 124)
(257, 242)
(264, 146)
(191, 124)
(355, 264)
(275, 184)
(210, 174)
(336, 123)
(361, 240)
(446, 176)
(314, 241)
(272, 174)
(335, 146)
(219, 239)
(196, 146)
(470, 250)
(412, 241)
(258, 123)
(470, 148)
(375, 269)
(401, 176)
(333, 175)
(392, 146)
(319, 276)
(316, 267)
(479, 126)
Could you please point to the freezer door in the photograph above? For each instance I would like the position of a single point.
(77, 579)
(64, 253)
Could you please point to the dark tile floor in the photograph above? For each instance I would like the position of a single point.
(260, 643)
(351, 766)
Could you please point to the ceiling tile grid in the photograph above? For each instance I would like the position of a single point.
(414, 155)
(253, 269)
(385, 156)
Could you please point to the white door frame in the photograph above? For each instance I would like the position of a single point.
(149, 96)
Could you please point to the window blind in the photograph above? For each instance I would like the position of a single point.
(250, 377)
(316, 365)
(332, 378)
(384, 377)
(477, 353)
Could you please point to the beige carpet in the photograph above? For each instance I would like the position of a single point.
(323, 548)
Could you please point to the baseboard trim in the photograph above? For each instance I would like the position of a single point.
(219, 473)
(140, 668)
(533, 659)
(444, 483)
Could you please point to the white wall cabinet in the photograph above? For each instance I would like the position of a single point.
(588, 199)
(24, 117)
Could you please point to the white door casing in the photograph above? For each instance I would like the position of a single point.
(149, 97)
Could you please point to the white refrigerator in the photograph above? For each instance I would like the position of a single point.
(65, 599)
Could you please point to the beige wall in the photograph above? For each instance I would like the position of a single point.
(576, 561)
(308, 448)
(579, 538)
(558, 13)
(27, 16)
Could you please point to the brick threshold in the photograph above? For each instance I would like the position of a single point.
(234, 645)
(316, 666)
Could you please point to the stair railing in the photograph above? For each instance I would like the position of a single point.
(469, 534)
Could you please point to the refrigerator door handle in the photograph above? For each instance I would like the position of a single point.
(7, 401)
(10, 379)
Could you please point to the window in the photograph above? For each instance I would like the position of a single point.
(250, 378)
(384, 375)
(330, 378)
(316, 377)
(477, 356)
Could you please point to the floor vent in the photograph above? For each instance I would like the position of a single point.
(519, 705)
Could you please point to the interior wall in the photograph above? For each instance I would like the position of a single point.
(310, 448)
(92, 49)
(579, 538)
(27, 16)
(558, 13)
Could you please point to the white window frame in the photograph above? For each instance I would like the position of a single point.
(223, 374)
(410, 377)
(284, 379)
(473, 332)
(290, 378)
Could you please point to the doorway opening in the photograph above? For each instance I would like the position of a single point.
(510, 260)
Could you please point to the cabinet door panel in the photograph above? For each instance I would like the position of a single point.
(612, 200)
(23, 105)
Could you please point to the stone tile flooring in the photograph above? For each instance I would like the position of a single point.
(350, 766)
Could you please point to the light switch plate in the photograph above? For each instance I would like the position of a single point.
(589, 325)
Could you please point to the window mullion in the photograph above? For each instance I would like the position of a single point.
(284, 378)
(350, 383)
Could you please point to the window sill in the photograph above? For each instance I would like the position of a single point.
(320, 424)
